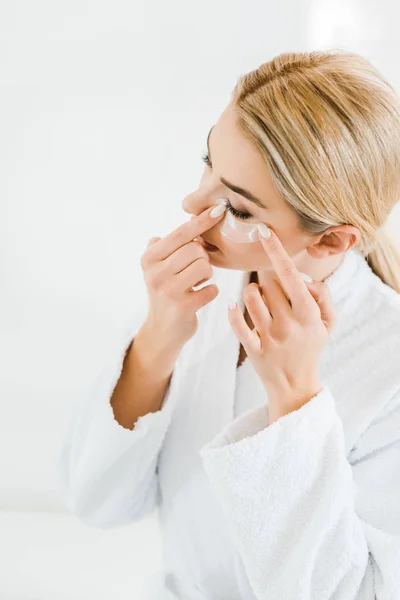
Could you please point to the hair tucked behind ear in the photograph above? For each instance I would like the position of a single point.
(328, 126)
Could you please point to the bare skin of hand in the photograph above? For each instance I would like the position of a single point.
(292, 322)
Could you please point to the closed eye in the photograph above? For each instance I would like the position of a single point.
(239, 214)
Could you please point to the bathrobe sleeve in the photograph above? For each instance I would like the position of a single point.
(309, 524)
(108, 473)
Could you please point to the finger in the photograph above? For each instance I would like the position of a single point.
(190, 277)
(256, 307)
(249, 338)
(276, 300)
(287, 272)
(186, 233)
(323, 297)
(152, 241)
(183, 257)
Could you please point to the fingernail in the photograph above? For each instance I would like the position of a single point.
(305, 277)
(217, 211)
(232, 304)
(264, 231)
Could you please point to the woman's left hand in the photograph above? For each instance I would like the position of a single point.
(292, 322)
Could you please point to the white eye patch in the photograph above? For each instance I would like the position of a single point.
(236, 230)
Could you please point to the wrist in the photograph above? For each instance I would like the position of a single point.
(151, 353)
(285, 399)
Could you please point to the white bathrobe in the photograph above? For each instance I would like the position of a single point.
(307, 508)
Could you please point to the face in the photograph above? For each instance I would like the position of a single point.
(232, 159)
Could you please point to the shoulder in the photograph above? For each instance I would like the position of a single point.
(361, 360)
(382, 309)
(370, 312)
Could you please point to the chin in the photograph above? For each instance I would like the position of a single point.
(219, 260)
(215, 258)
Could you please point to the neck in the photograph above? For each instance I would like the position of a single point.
(317, 269)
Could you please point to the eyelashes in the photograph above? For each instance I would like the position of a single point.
(239, 214)
(205, 158)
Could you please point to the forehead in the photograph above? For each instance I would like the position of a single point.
(235, 158)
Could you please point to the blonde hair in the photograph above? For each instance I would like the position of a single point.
(328, 125)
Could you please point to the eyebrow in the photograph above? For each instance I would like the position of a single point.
(235, 188)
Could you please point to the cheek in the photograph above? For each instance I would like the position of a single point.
(252, 254)
(235, 248)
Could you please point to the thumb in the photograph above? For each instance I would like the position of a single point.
(322, 295)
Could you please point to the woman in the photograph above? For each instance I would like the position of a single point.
(267, 433)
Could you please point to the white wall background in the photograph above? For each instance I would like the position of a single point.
(104, 111)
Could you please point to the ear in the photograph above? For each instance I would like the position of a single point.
(335, 240)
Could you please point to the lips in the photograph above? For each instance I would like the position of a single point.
(206, 245)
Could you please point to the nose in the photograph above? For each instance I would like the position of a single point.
(195, 203)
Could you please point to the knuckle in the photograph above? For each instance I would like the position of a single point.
(152, 241)
(284, 332)
(250, 291)
(307, 319)
(176, 236)
(267, 343)
(314, 311)
(156, 280)
(199, 251)
(210, 292)
(273, 245)
(311, 311)
(203, 265)
(204, 270)
(144, 261)
(288, 269)
(204, 220)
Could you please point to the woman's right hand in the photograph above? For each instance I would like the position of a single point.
(172, 266)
